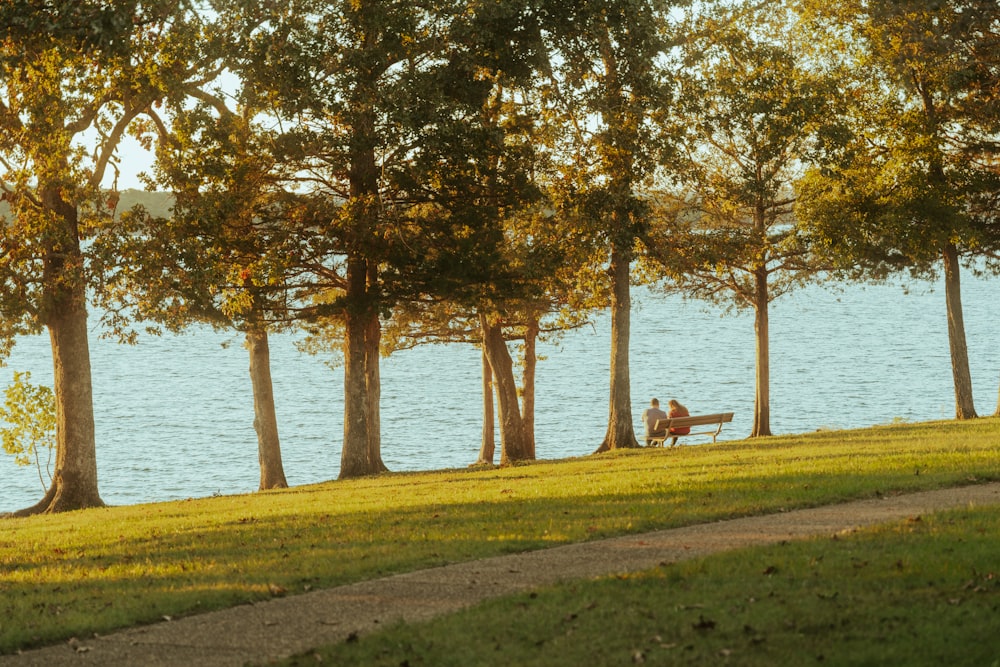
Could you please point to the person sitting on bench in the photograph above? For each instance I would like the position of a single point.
(649, 417)
(677, 410)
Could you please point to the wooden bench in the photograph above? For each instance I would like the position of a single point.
(664, 426)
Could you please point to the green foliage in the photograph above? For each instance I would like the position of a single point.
(609, 86)
(66, 103)
(917, 172)
(750, 114)
(73, 575)
(96, 28)
(29, 412)
(225, 251)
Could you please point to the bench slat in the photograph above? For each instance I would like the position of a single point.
(664, 426)
(698, 420)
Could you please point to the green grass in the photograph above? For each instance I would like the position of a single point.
(921, 592)
(94, 571)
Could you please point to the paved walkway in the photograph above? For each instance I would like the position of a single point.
(281, 627)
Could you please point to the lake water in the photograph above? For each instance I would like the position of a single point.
(175, 414)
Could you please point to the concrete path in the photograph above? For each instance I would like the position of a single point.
(277, 628)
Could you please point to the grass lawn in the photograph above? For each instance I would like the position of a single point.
(921, 592)
(80, 573)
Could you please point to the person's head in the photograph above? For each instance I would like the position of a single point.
(674, 404)
(655, 403)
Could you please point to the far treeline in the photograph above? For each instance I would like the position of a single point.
(382, 174)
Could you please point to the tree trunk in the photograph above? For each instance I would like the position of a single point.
(528, 381)
(74, 480)
(514, 444)
(265, 420)
(373, 385)
(964, 404)
(762, 398)
(361, 454)
(620, 432)
(487, 448)
(354, 456)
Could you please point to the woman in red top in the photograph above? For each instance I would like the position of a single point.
(678, 410)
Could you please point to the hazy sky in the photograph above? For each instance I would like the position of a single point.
(133, 160)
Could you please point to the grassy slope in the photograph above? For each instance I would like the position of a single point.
(920, 592)
(93, 571)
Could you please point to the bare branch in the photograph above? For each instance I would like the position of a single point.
(110, 145)
(214, 101)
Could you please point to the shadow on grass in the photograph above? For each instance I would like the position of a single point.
(73, 575)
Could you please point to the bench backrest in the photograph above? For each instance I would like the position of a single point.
(698, 420)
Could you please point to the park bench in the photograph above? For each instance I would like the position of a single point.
(664, 425)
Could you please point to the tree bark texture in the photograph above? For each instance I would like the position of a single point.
(487, 448)
(265, 422)
(621, 433)
(528, 381)
(74, 480)
(514, 444)
(361, 454)
(762, 396)
(964, 403)
(373, 385)
(354, 455)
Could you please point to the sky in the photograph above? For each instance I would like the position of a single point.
(134, 159)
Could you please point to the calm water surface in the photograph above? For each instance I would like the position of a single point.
(175, 414)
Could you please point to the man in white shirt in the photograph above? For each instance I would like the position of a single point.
(649, 417)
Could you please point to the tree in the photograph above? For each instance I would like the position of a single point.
(30, 414)
(491, 181)
(67, 97)
(606, 79)
(474, 176)
(749, 116)
(370, 90)
(540, 250)
(218, 248)
(470, 262)
(221, 254)
(336, 72)
(901, 192)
